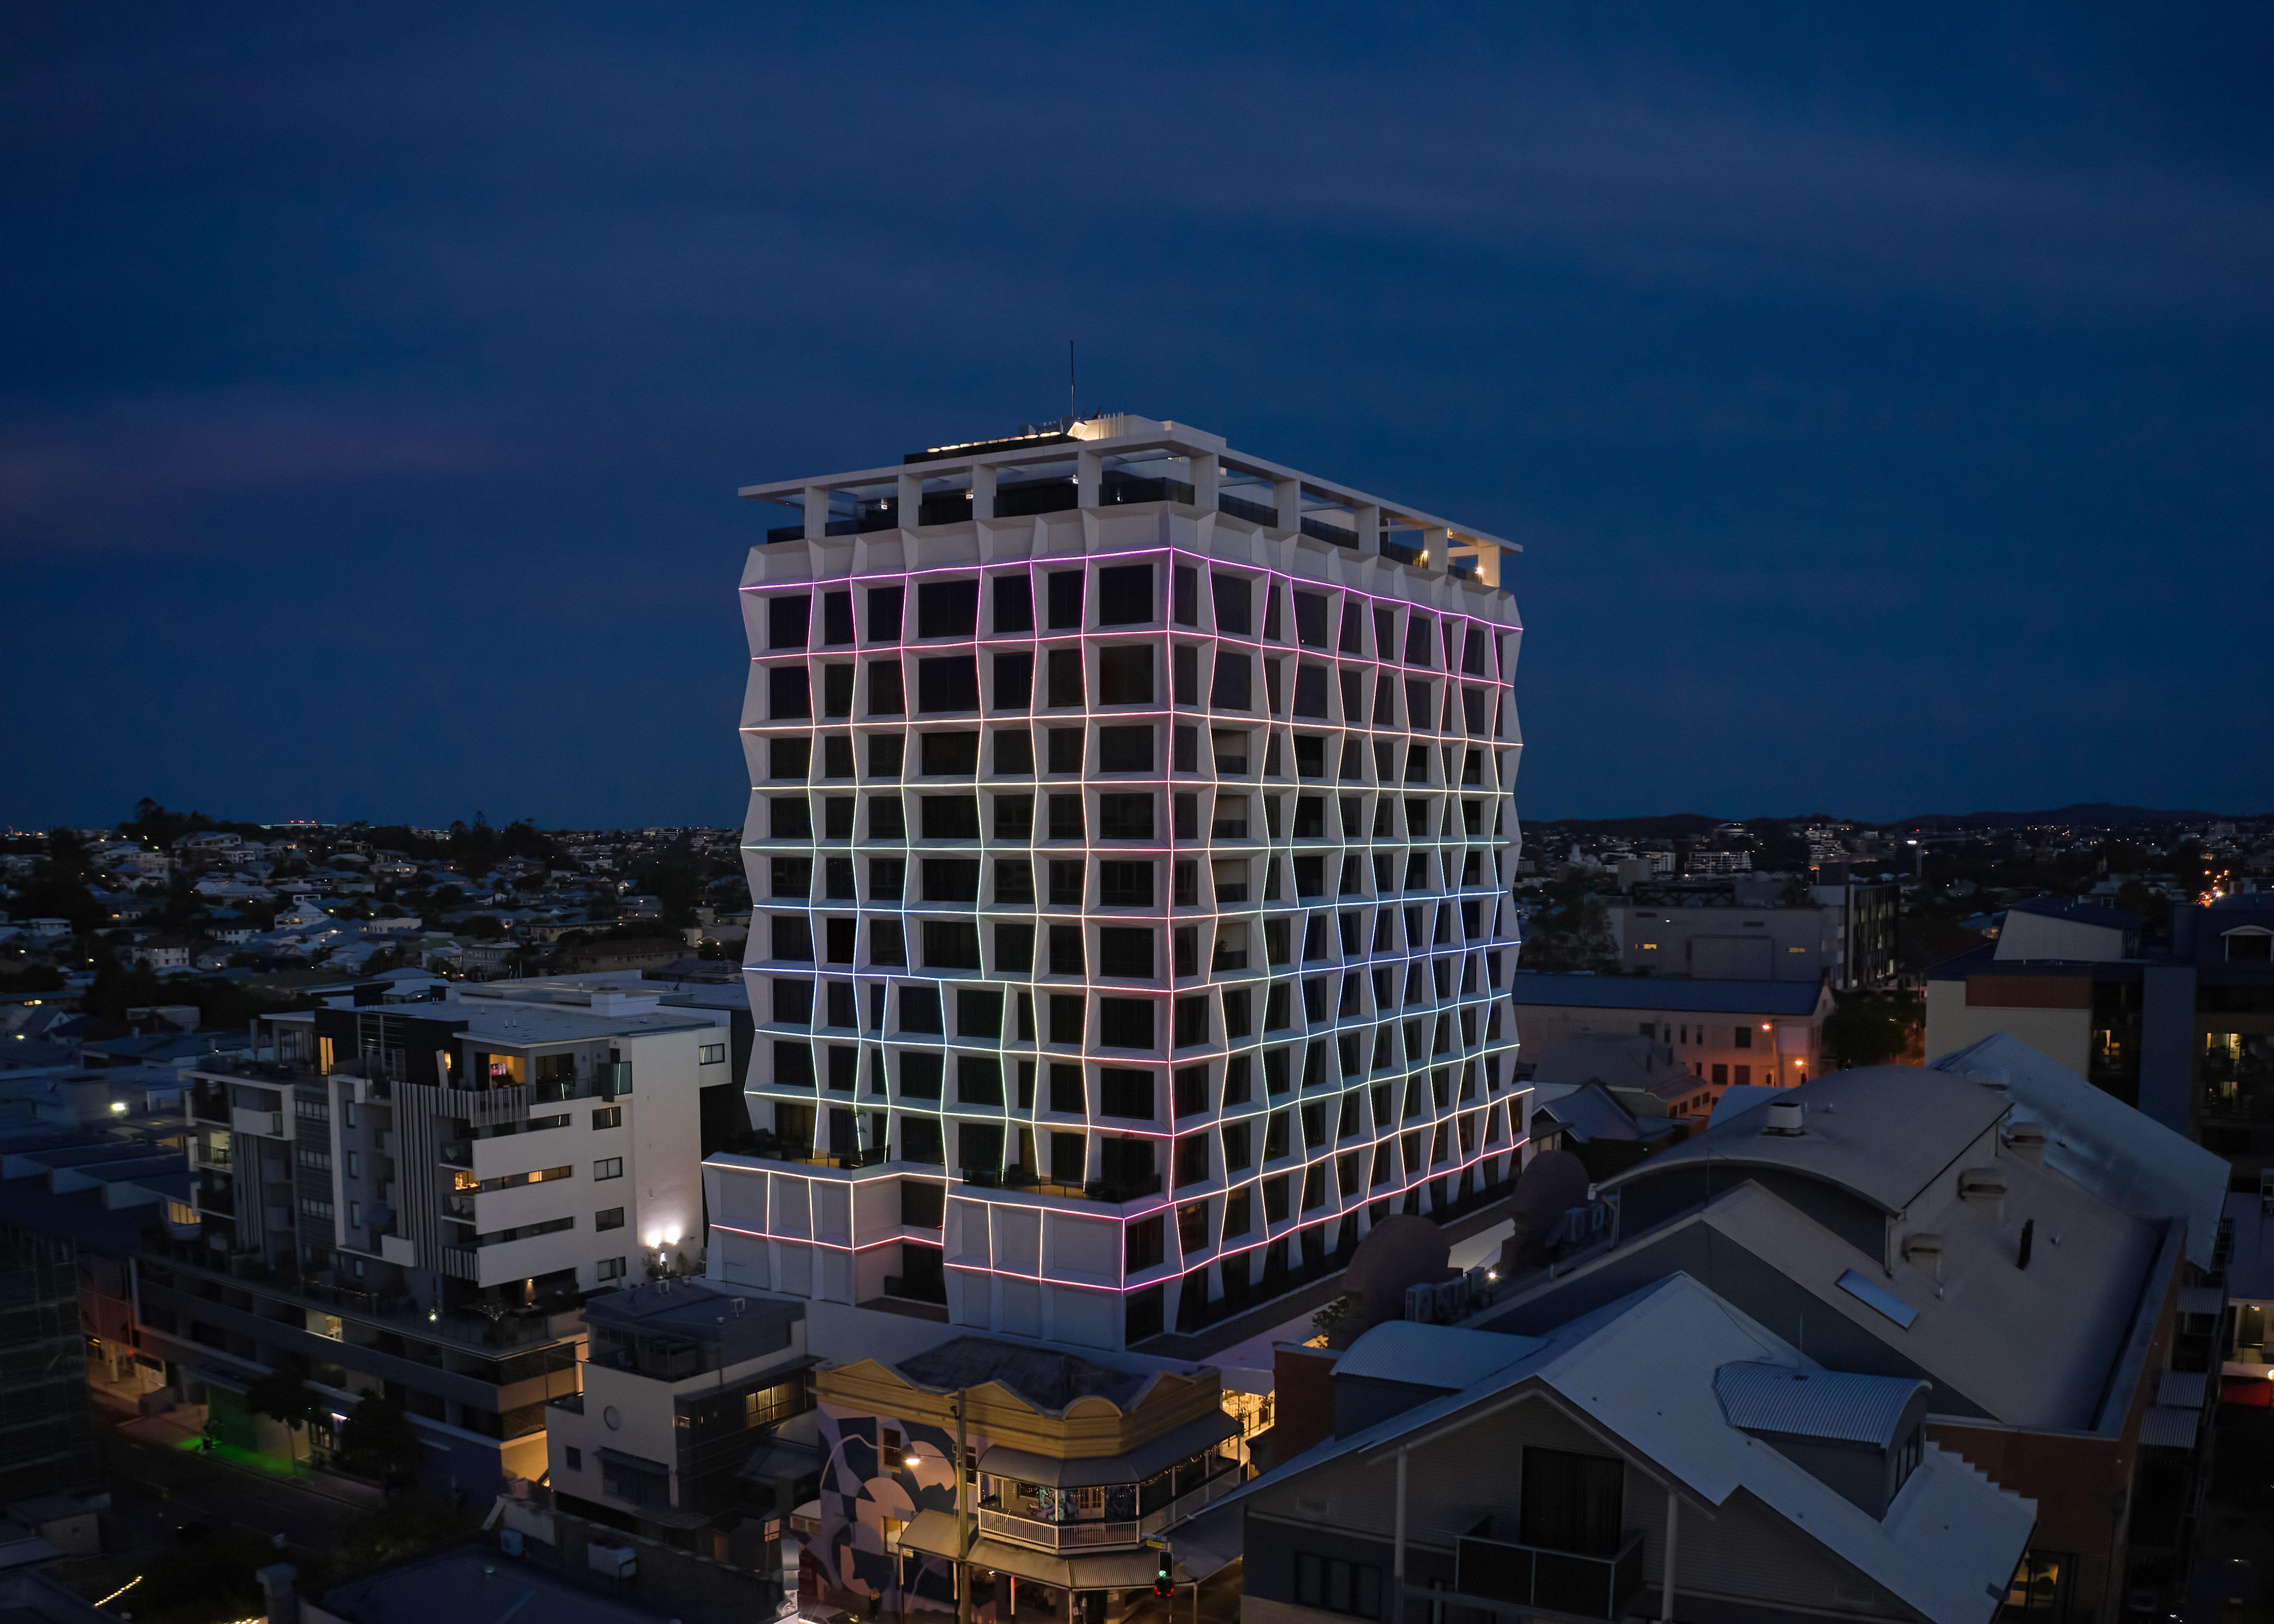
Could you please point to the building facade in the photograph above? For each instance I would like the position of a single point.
(1131, 829)
(1725, 1033)
(2184, 1031)
(412, 1200)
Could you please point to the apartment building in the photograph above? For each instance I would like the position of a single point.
(2185, 1031)
(1131, 828)
(413, 1200)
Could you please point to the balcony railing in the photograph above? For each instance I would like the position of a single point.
(1335, 534)
(1254, 513)
(1591, 1587)
(1096, 1536)
(1399, 552)
(1120, 489)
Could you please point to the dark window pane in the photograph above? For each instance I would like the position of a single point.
(1014, 682)
(787, 617)
(1125, 1023)
(1014, 603)
(788, 697)
(1125, 749)
(884, 613)
(947, 682)
(1234, 604)
(837, 617)
(1066, 600)
(1125, 951)
(947, 608)
(951, 817)
(953, 751)
(1234, 688)
(1124, 674)
(1125, 595)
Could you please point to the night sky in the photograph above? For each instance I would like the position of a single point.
(1882, 394)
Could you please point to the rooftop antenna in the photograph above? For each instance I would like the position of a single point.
(1074, 413)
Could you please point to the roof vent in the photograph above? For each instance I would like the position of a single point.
(1982, 1184)
(1991, 1077)
(1784, 1118)
(1923, 1250)
(2025, 1137)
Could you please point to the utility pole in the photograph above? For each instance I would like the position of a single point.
(962, 1512)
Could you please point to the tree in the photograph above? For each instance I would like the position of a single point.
(283, 1395)
(1869, 1029)
(379, 1441)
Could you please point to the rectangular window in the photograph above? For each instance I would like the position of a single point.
(947, 608)
(1014, 682)
(786, 619)
(711, 1054)
(612, 1167)
(1124, 674)
(1065, 587)
(947, 682)
(1571, 1501)
(1125, 749)
(613, 1218)
(1125, 1093)
(1065, 677)
(608, 1268)
(1014, 603)
(836, 617)
(1066, 817)
(609, 1117)
(1333, 1585)
(884, 613)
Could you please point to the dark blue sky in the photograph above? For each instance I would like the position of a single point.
(1882, 393)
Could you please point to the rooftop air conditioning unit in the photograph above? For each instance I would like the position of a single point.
(1784, 1118)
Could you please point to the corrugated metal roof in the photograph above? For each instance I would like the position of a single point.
(1821, 1403)
(1651, 992)
(1434, 1356)
(2183, 1389)
(2168, 1427)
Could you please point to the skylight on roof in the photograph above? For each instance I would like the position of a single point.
(1878, 1299)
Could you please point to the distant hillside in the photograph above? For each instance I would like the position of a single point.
(2101, 813)
(1670, 825)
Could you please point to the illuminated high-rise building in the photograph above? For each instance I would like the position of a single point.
(1129, 839)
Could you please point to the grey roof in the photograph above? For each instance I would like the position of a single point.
(472, 1585)
(2163, 1426)
(1432, 1355)
(1641, 1370)
(2130, 1161)
(1839, 1404)
(690, 1309)
(1651, 992)
(1589, 1113)
(2078, 911)
(1047, 1379)
(1883, 1132)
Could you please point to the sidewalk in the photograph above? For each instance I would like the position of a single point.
(179, 1432)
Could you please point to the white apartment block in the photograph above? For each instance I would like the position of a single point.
(506, 1146)
(1130, 834)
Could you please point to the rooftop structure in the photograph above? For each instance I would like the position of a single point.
(1995, 1235)
(1662, 1453)
(1131, 835)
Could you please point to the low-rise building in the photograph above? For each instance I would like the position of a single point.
(1725, 1033)
(685, 1389)
(1664, 1455)
(1992, 1228)
(1069, 1464)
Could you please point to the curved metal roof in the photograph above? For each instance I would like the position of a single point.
(1814, 1403)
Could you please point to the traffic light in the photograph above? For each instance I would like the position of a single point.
(1165, 1584)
